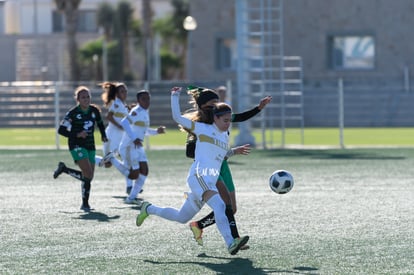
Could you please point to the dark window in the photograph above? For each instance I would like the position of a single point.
(226, 54)
(86, 21)
(352, 52)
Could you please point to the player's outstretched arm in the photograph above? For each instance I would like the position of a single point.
(176, 111)
(240, 117)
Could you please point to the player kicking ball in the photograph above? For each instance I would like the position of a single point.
(202, 177)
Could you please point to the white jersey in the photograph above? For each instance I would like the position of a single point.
(113, 133)
(139, 121)
(119, 110)
(211, 148)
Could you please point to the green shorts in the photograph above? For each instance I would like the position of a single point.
(225, 176)
(82, 153)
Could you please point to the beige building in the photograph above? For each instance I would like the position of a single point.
(32, 36)
(366, 41)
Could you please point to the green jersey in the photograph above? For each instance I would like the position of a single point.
(75, 121)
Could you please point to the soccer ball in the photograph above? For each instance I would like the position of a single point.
(281, 181)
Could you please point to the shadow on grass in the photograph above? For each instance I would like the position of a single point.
(132, 205)
(238, 266)
(97, 216)
(373, 154)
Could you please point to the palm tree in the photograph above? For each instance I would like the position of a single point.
(69, 8)
(105, 19)
(146, 33)
(125, 12)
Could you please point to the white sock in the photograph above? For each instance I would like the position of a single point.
(98, 159)
(219, 208)
(129, 182)
(105, 148)
(120, 166)
(139, 182)
(183, 215)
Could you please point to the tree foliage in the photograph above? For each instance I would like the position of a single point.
(69, 9)
(105, 18)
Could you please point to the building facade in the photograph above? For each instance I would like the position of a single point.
(32, 36)
(366, 41)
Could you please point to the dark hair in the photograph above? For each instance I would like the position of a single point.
(221, 108)
(201, 95)
(109, 92)
(140, 93)
(205, 96)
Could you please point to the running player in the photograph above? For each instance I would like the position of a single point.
(212, 147)
(114, 98)
(135, 162)
(225, 183)
(78, 126)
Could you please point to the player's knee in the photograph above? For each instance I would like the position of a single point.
(133, 174)
(143, 168)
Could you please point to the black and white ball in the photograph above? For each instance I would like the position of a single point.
(281, 181)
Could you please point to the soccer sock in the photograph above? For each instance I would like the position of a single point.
(182, 215)
(98, 159)
(74, 173)
(86, 188)
(232, 222)
(129, 182)
(105, 148)
(139, 182)
(120, 166)
(219, 208)
(206, 221)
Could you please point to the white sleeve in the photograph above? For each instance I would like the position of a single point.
(127, 127)
(151, 132)
(176, 112)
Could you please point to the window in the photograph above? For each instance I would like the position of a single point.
(226, 54)
(352, 52)
(86, 21)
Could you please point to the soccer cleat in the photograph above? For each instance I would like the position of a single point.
(237, 244)
(107, 159)
(197, 232)
(143, 214)
(86, 208)
(59, 170)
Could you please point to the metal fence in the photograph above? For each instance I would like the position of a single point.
(44, 104)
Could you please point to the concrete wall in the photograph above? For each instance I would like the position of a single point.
(389, 107)
(307, 27)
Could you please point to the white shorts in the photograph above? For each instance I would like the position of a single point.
(200, 184)
(132, 156)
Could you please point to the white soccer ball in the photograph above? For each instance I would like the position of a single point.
(281, 181)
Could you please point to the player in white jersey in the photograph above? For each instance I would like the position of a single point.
(212, 147)
(114, 98)
(134, 163)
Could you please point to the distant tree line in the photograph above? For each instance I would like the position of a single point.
(119, 31)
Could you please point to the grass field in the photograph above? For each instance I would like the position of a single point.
(312, 137)
(350, 212)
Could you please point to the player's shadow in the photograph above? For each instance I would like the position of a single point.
(97, 216)
(132, 206)
(237, 266)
